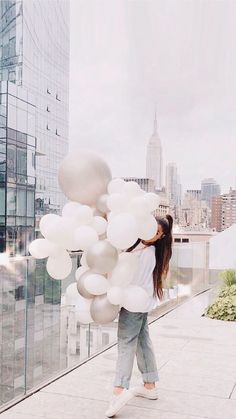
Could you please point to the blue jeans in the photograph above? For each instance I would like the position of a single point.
(133, 338)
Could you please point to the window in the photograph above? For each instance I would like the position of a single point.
(57, 133)
(105, 339)
(58, 97)
(48, 110)
(177, 240)
(48, 127)
(185, 240)
(48, 91)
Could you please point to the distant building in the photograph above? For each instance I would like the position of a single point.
(209, 188)
(154, 159)
(173, 190)
(194, 212)
(195, 193)
(148, 185)
(224, 211)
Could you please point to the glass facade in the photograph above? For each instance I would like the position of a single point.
(17, 169)
(34, 53)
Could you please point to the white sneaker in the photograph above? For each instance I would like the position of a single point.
(118, 401)
(141, 391)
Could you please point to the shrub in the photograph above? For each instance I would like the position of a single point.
(229, 277)
(224, 307)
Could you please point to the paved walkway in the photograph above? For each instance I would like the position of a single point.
(197, 367)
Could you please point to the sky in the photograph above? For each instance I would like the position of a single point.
(130, 56)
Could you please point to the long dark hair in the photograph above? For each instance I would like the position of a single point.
(163, 252)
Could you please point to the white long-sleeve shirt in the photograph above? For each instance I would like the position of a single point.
(144, 274)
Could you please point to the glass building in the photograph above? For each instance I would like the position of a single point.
(34, 54)
(17, 168)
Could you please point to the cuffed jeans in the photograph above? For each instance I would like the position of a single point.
(133, 338)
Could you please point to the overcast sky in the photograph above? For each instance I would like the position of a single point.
(127, 55)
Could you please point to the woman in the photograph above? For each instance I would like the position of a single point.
(133, 334)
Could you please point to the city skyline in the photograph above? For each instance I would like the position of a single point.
(124, 61)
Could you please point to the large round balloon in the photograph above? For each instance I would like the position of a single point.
(84, 176)
(72, 294)
(152, 200)
(82, 310)
(60, 266)
(85, 236)
(116, 186)
(46, 221)
(102, 257)
(101, 204)
(147, 227)
(115, 295)
(123, 274)
(99, 224)
(80, 271)
(135, 299)
(102, 311)
(61, 230)
(117, 202)
(122, 231)
(81, 287)
(70, 209)
(96, 284)
(42, 248)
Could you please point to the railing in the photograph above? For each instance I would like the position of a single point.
(40, 336)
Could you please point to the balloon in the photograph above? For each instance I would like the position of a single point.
(83, 176)
(80, 271)
(71, 294)
(70, 209)
(115, 295)
(42, 248)
(84, 215)
(95, 284)
(83, 310)
(101, 204)
(122, 231)
(152, 200)
(81, 287)
(139, 206)
(59, 267)
(102, 311)
(117, 202)
(135, 299)
(147, 227)
(124, 272)
(116, 186)
(132, 189)
(85, 236)
(102, 257)
(47, 220)
(99, 224)
(61, 231)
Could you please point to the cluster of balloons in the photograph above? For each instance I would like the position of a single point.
(103, 218)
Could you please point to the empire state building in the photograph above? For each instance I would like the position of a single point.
(154, 162)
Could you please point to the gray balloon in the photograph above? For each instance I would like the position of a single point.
(81, 288)
(83, 176)
(102, 311)
(102, 257)
(101, 204)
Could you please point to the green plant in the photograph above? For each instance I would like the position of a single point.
(229, 277)
(223, 309)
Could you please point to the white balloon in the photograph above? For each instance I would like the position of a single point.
(132, 189)
(80, 271)
(96, 284)
(83, 176)
(135, 299)
(147, 227)
(101, 204)
(139, 206)
(84, 215)
(59, 267)
(85, 236)
(116, 186)
(70, 209)
(46, 221)
(115, 295)
(117, 202)
(111, 215)
(83, 310)
(123, 274)
(122, 231)
(99, 224)
(72, 294)
(42, 248)
(153, 201)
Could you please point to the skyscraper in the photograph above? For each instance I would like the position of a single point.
(34, 45)
(154, 163)
(209, 188)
